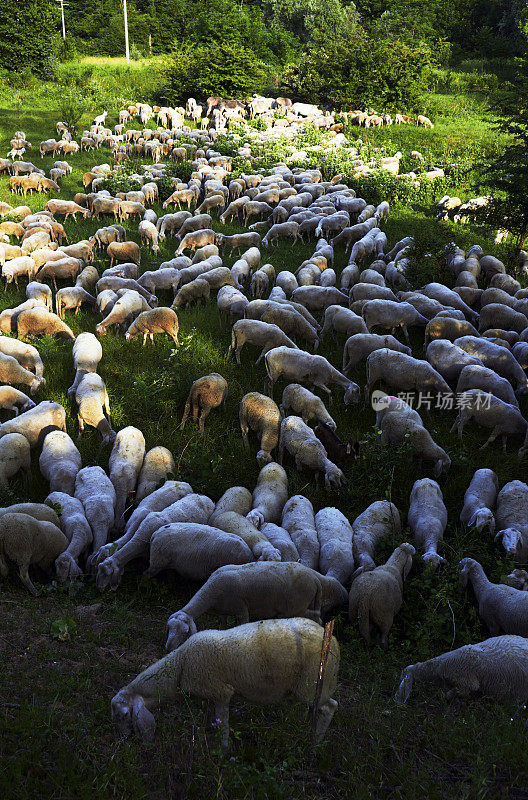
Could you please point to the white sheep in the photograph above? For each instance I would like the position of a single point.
(496, 667)
(427, 518)
(497, 358)
(259, 334)
(26, 355)
(475, 376)
(25, 540)
(375, 523)
(341, 320)
(281, 541)
(298, 365)
(125, 462)
(32, 424)
(269, 495)
(91, 395)
(158, 464)
(261, 661)
(334, 532)
(95, 490)
(191, 508)
(260, 413)
(75, 525)
(59, 462)
(300, 441)
(479, 501)
(87, 353)
(376, 596)
(232, 522)
(298, 519)
(11, 397)
(15, 456)
(255, 591)
(306, 405)
(487, 410)
(360, 345)
(511, 518)
(236, 498)
(400, 371)
(389, 314)
(12, 372)
(503, 608)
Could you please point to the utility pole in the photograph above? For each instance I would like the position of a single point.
(127, 50)
(62, 17)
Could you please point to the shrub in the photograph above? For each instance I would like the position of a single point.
(135, 52)
(119, 180)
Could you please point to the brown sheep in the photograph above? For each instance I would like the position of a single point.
(206, 393)
(157, 320)
(124, 251)
(40, 322)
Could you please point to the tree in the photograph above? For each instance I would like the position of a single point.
(27, 34)
(507, 173)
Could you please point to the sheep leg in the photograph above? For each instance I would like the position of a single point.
(495, 432)
(24, 577)
(203, 416)
(4, 572)
(81, 424)
(325, 712)
(185, 414)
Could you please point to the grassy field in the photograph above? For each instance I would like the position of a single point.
(65, 654)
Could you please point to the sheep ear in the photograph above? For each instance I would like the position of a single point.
(407, 567)
(142, 720)
(192, 627)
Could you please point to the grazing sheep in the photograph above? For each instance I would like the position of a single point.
(87, 353)
(26, 355)
(401, 371)
(156, 320)
(496, 358)
(376, 596)
(192, 292)
(251, 591)
(496, 667)
(40, 322)
(123, 251)
(269, 495)
(25, 540)
(237, 499)
(232, 522)
(295, 365)
(158, 464)
(361, 345)
(427, 519)
(390, 314)
(9, 397)
(298, 519)
(449, 360)
(476, 376)
(479, 501)
(397, 428)
(487, 410)
(75, 525)
(306, 405)
(503, 608)
(375, 523)
(125, 462)
(441, 327)
(91, 395)
(511, 519)
(59, 462)
(334, 532)
(341, 320)
(281, 541)
(261, 661)
(14, 457)
(41, 292)
(126, 308)
(299, 440)
(260, 334)
(96, 492)
(72, 297)
(35, 423)
(260, 414)
(205, 394)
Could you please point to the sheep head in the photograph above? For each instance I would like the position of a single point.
(67, 568)
(352, 393)
(179, 626)
(512, 540)
(483, 518)
(109, 574)
(406, 685)
(131, 715)
(465, 567)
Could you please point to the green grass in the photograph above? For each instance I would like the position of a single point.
(56, 738)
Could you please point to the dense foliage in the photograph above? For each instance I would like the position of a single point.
(27, 34)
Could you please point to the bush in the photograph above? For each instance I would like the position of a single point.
(135, 52)
(119, 180)
(27, 35)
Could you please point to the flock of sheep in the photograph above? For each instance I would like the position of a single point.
(262, 555)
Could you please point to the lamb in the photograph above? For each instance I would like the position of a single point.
(40, 322)
(26, 355)
(376, 596)
(195, 290)
(306, 405)
(10, 397)
(262, 661)
(96, 492)
(427, 519)
(497, 358)
(503, 608)
(232, 522)
(390, 314)
(206, 393)
(252, 591)
(91, 395)
(78, 532)
(111, 560)
(397, 428)
(281, 541)
(335, 539)
(479, 501)
(125, 462)
(299, 440)
(404, 372)
(14, 457)
(158, 464)
(25, 540)
(489, 411)
(37, 422)
(156, 320)
(480, 377)
(496, 667)
(269, 495)
(87, 353)
(511, 519)
(299, 365)
(299, 520)
(59, 462)
(260, 414)
(375, 523)
(261, 334)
